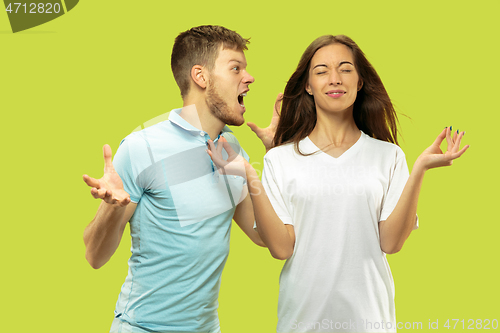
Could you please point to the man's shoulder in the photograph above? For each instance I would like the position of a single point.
(159, 130)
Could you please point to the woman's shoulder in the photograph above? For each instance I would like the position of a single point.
(380, 146)
(280, 151)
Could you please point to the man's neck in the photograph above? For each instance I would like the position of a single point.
(198, 115)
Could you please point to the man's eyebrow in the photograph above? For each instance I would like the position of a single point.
(234, 60)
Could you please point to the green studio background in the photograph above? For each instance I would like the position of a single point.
(92, 76)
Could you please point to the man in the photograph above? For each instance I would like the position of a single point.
(180, 208)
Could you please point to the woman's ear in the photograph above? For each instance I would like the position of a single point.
(198, 74)
(308, 89)
(360, 84)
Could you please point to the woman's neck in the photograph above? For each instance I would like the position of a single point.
(337, 129)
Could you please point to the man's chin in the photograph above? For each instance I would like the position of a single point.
(238, 122)
(233, 121)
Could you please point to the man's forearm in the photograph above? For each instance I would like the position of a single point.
(102, 236)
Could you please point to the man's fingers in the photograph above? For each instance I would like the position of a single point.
(98, 193)
(108, 197)
(93, 192)
(124, 202)
(92, 182)
(108, 164)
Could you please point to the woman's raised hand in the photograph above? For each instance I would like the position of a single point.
(267, 134)
(110, 187)
(235, 163)
(433, 157)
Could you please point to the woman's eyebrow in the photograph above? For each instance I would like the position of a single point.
(345, 62)
(319, 65)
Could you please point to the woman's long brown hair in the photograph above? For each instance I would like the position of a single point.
(373, 111)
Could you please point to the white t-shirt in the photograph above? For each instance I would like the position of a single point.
(338, 278)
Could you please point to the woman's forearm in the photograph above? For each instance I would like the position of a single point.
(271, 229)
(397, 227)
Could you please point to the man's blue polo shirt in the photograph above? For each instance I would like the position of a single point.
(180, 229)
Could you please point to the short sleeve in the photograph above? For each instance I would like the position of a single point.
(128, 172)
(398, 178)
(271, 184)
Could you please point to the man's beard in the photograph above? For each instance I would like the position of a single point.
(219, 107)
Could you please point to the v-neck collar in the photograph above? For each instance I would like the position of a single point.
(308, 147)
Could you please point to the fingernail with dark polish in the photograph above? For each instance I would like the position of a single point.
(451, 128)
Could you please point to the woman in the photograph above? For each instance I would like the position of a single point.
(338, 196)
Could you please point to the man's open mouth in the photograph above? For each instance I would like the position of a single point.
(240, 99)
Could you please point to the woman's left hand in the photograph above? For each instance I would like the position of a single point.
(433, 157)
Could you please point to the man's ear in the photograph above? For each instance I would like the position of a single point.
(199, 76)
(360, 84)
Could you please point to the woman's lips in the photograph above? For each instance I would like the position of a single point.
(335, 93)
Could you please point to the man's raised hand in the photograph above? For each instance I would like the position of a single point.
(110, 187)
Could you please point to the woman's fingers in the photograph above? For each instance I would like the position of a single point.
(458, 139)
(449, 140)
(220, 145)
(460, 152)
(440, 137)
(211, 145)
(227, 146)
(277, 107)
(230, 151)
(215, 153)
(256, 129)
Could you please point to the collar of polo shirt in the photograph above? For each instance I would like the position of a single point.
(176, 119)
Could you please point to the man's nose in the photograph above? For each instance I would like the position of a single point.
(248, 79)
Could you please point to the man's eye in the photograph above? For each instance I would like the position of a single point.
(236, 68)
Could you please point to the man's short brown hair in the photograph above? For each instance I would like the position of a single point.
(200, 46)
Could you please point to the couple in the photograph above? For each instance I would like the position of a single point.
(335, 194)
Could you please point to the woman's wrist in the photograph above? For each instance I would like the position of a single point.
(249, 170)
(419, 167)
